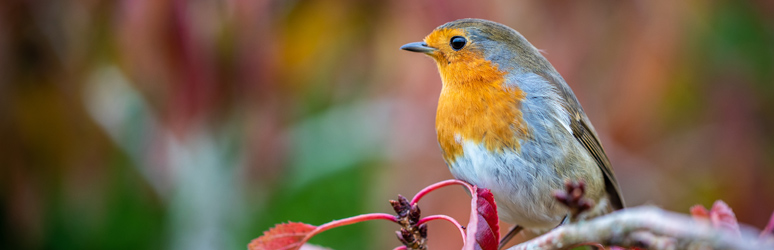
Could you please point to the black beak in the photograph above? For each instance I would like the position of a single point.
(418, 47)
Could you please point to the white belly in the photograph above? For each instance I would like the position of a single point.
(523, 183)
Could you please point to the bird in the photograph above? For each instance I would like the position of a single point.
(507, 121)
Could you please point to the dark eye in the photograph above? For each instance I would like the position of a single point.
(457, 42)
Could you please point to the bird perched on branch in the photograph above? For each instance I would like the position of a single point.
(507, 121)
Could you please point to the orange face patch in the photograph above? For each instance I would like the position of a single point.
(474, 105)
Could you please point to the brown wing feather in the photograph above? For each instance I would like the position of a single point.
(587, 138)
(583, 131)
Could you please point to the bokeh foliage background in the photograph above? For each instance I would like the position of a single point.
(171, 124)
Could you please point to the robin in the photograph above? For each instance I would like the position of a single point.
(507, 121)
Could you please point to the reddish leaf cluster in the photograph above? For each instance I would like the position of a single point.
(720, 215)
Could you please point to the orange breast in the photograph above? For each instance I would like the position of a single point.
(475, 106)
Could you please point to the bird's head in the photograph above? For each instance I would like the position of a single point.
(475, 51)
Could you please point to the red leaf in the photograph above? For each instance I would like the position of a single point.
(483, 231)
(699, 212)
(286, 236)
(720, 215)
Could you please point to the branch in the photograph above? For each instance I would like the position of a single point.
(643, 227)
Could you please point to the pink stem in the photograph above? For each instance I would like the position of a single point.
(348, 221)
(446, 218)
(473, 217)
(400, 248)
(438, 185)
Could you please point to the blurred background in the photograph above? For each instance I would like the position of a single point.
(171, 124)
